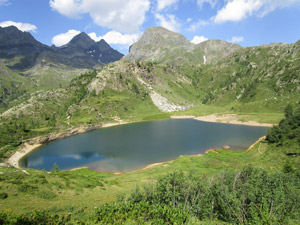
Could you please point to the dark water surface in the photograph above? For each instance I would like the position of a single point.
(133, 146)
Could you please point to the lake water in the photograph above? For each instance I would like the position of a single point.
(133, 146)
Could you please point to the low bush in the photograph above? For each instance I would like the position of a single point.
(250, 196)
(3, 195)
(46, 194)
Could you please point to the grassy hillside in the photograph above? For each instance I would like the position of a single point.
(256, 79)
(9, 85)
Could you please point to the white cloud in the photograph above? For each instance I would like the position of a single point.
(237, 39)
(199, 39)
(93, 35)
(4, 3)
(19, 25)
(211, 2)
(271, 5)
(169, 22)
(64, 38)
(237, 10)
(124, 16)
(161, 4)
(117, 38)
(69, 8)
(200, 23)
(189, 20)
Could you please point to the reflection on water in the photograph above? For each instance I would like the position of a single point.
(137, 145)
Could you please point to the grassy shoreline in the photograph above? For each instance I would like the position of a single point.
(81, 185)
(29, 146)
(87, 188)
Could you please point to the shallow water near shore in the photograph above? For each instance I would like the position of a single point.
(134, 146)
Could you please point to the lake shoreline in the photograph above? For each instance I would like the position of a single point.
(198, 155)
(35, 143)
(230, 119)
(226, 118)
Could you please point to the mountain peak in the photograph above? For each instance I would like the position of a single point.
(102, 45)
(155, 44)
(167, 35)
(160, 30)
(13, 36)
(82, 40)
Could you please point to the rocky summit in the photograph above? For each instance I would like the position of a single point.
(160, 45)
(19, 50)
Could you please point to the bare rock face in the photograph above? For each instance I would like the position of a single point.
(163, 104)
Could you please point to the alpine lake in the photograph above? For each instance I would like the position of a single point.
(136, 145)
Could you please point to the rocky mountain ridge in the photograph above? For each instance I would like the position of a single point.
(19, 50)
(160, 45)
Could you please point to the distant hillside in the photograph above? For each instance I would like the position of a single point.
(160, 45)
(254, 78)
(10, 83)
(214, 50)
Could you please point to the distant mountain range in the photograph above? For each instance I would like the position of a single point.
(162, 71)
(19, 50)
(27, 65)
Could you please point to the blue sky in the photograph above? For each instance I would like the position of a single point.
(122, 22)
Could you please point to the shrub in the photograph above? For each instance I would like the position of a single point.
(140, 213)
(46, 195)
(288, 129)
(250, 196)
(3, 195)
(27, 188)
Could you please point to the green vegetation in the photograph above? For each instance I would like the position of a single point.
(10, 86)
(249, 195)
(89, 189)
(219, 187)
(288, 131)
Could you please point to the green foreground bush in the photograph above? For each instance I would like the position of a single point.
(249, 196)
